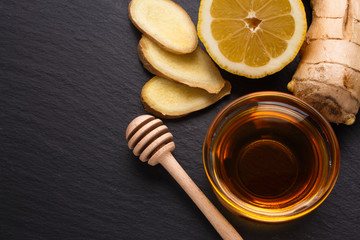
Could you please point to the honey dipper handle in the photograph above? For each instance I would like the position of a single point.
(219, 222)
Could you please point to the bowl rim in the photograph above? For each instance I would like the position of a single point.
(331, 140)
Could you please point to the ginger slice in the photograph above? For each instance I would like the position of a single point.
(194, 69)
(166, 23)
(169, 99)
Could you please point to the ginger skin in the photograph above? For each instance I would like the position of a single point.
(328, 75)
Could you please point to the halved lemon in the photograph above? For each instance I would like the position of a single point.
(252, 38)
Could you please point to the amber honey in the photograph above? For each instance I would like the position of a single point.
(269, 159)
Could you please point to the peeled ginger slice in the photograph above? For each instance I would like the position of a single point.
(169, 99)
(194, 69)
(166, 23)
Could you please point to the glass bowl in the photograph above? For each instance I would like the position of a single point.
(271, 157)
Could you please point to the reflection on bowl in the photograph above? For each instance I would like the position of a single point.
(271, 157)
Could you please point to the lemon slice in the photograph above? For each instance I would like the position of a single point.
(252, 38)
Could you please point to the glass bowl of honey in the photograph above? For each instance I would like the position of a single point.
(271, 157)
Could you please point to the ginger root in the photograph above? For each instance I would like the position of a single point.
(166, 23)
(328, 75)
(194, 69)
(169, 99)
(186, 78)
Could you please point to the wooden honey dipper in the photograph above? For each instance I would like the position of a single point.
(149, 138)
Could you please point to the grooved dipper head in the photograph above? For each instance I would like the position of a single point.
(149, 138)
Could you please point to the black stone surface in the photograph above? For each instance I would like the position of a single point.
(70, 82)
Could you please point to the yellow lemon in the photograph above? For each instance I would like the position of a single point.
(252, 38)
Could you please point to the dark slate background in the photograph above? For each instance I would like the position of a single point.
(70, 84)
